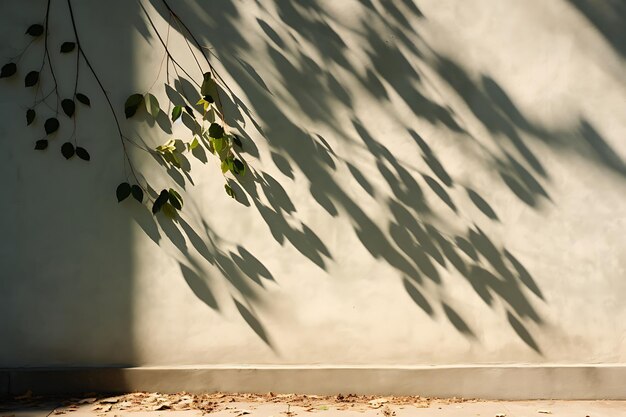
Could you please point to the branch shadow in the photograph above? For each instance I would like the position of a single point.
(417, 237)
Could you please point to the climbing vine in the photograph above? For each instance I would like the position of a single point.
(204, 118)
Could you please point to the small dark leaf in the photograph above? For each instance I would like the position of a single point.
(216, 131)
(160, 201)
(189, 110)
(31, 78)
(51, 125)
(229, 190)
(175, 199)
(132, 104)
(169, 211)
(35, 30)
(237, 141)
(177, 111)
(137, 193)
(67, 47)
(83, 99)
(207, 82)
(209, 99)
(238, 167)
(82, 153)
(30, 116)
(8, 70)
(67, 149)
(41, 144)
(68, 106)
(123, 191)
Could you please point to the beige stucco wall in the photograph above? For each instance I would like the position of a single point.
(432, 182)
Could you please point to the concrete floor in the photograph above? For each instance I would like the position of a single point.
(479, 408)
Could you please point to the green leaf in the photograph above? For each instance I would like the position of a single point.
(35, 30)
(31, 78)
(152, 105)
(68, 106)
(51, 125)
(207, 83)
(30, 116)
(238, 167)
(218, 145)
(189, 110)
(160, 201)
(169, 211)
(67, 47)
(83, 99)
(8, 70)
(137, 193)
(169, 146)
(172, 158)
(123, 191)
(132, 104)
(194, 144)
(216, 131)
(227, 164)
(229, 190)
(205, 104)
(41, 144)
(175, 199)
(177, 111)
(237, 141)
(82, 153)
(67, 149)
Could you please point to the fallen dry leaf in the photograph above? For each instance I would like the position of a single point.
(110, 400)
(164, 406)
(388, 412)
(103, 407)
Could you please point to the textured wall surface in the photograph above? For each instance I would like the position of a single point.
(431, 183)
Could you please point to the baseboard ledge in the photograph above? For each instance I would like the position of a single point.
(581, 382)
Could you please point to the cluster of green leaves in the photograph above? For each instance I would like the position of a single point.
(51, 125)
(225, 146)
(214, 138)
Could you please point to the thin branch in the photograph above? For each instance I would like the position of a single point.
(17, 58)
(167, 42)
(208, 61)
(47, 54)
(77, 70)
(164, 44)
(104, 92)
(178, 23)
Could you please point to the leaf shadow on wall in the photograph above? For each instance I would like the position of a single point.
(311, 63)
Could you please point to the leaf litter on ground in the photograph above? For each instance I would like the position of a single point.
(238, 402)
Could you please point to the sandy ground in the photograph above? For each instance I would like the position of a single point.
(273, 405)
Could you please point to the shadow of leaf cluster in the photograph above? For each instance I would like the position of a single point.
(312, 64)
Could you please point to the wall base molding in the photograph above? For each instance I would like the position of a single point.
(588, 382)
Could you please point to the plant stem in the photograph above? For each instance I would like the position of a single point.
(106, 95)
(164, 44)
(195, 40)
